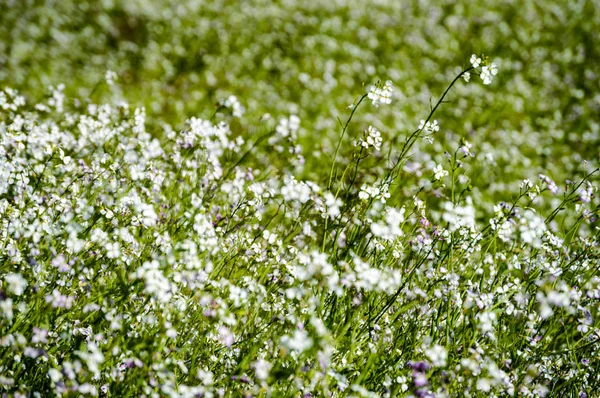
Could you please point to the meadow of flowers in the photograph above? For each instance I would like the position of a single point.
(299, 199)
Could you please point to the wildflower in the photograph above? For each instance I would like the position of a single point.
(205, 376)
(532, 228)
(372, 192)
(39, 335)
(484, 384)
(6, 308)
(551, 185)
(525, 184)
(110, 77)
(299, 341)
(389, 229)
(262, 369)
(439, 172)
(488, 72)
(486, 321)
(232, 103)
(16, 283)
(438, 355)
(226, 336)
(475, 61)
(113, 250)
(367, 192)
(59, 300)
(93, 358)
(381, 93)
(466, 148)
(288, 127)
(586, 193)
(332, 205)
(466, 76)
(430, 127)
(459, 215)
(55, 375)
(372, 139)
(61, 263)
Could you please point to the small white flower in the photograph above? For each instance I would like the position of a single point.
(205, 376)
(466, 76)
(226, 336)
(54, 375)
(113, 250)
(525, 184)
(16, 283)
(437, 355)
(299, 342)
(333, 205)
(487, 73)
(484, 384)
(110, 77)
(262, 369)
(439, 172)
(475, 61)
(430, 127)
(231, 102)
(372, 139)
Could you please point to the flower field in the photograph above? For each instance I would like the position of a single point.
(299, 199)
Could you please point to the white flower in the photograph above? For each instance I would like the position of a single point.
(54, 375)
(373, 139)
(231, 102)
(437, 355)
(390, 229)
(6, 308)
(288, 127)
(93, 358)
(367, 192)
(110, 77)
(487, 73)
(381, 94)
(430, 127)
(466, 76)
(113, 250)
(333, 205)
(439, 172)
(475, 61)
(532, 228)
(157, 283)
(205, 376)
(262, 369)
(459, 216)
(486, 321)
(300, 341)
(226, 336)
(16, 283)
(525, 184)
(484, 384)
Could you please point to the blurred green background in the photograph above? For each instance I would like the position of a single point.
(312, 58)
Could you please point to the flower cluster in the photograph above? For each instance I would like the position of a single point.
(487, 72)
(372, 138)
(381, 93)
(232, 103)
(429, 127)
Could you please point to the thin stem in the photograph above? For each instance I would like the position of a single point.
(337, 149)
(410, 141)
